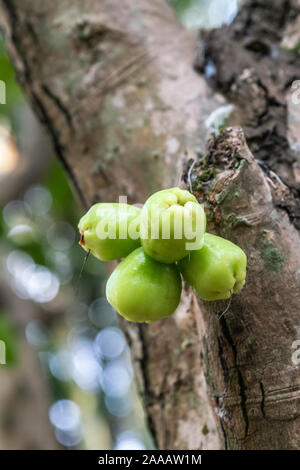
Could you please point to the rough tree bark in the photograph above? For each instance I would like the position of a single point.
(114, 84)
(253, 382)
(262, 48)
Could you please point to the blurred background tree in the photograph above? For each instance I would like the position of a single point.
(68, 378)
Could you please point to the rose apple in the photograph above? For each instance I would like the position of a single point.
(110, 230)
(172, 224)
(142, 289)
(217, 270)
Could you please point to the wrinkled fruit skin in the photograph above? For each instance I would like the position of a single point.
(216, 270)
(171, 204)
(119, 217)
(142, 289)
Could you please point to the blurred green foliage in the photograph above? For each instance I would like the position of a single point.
(63, 198)
(204, 14)
(7, 74)
(8, 335)
(181, 5)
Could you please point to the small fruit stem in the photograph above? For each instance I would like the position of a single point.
(81, 241)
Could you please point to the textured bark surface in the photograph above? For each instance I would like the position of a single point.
(253, 382)
(126, 112)
(118, 97)
(262, 48)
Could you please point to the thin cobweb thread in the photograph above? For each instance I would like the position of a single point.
(81, 271)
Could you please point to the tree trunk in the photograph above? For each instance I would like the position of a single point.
(115, 86)
(247, 350)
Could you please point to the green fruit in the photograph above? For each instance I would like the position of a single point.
(217, 270)
(142, 289)
(110, 230)
(172, 224)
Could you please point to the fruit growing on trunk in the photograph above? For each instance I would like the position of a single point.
(217, 270)
(142, 289)
(110, 230)
(172, 224)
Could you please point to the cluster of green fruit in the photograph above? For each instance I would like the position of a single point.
(167, 236)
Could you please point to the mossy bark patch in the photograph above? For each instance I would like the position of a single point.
(272, 257)
(205, 430)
